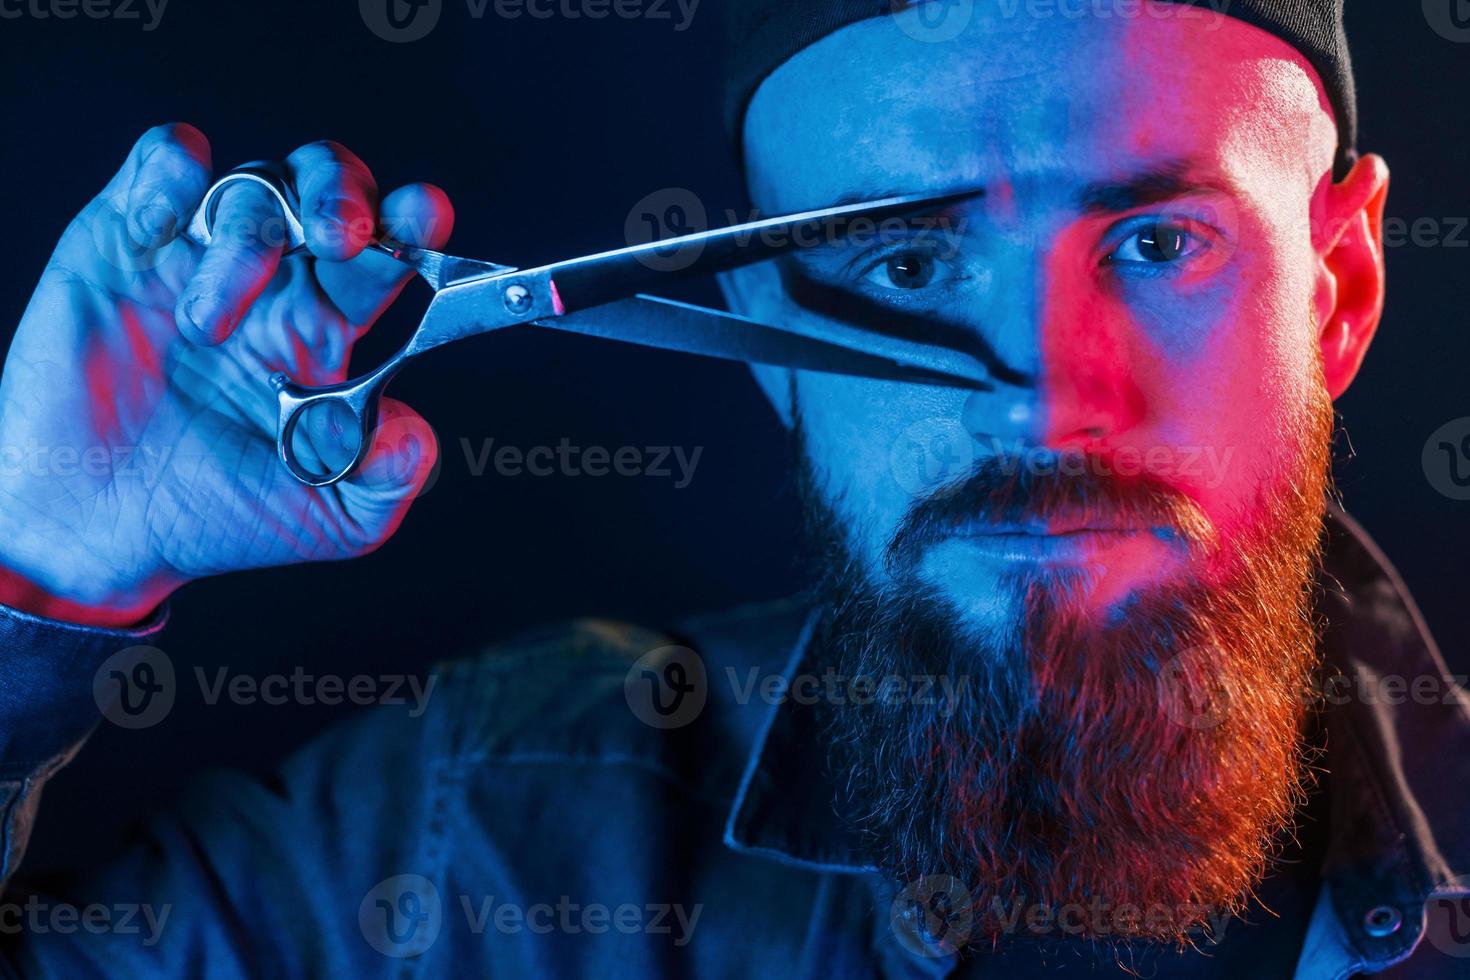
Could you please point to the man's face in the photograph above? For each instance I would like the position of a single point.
(1142, 482)
(1139, 265)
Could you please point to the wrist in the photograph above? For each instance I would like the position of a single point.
(21, 593)
(47, 571)
(113, 611)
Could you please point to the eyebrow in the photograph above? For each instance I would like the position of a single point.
(1153, 186)
(1156, 185)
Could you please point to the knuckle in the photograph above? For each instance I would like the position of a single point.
(318, 153)
(176, 137)
(326, 147)
(172, 168)
(324, 162)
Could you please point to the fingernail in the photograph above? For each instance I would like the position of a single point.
(203, 313)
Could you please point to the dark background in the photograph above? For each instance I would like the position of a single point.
(545, 133)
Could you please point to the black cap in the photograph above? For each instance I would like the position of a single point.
(760, 35)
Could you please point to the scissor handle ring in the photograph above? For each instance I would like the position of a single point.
(267, 175)
(359, 398)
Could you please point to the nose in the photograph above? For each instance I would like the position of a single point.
(1082, 390)
(1089, 398)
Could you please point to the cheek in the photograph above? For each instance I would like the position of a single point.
(1236, 399)
(876, 447)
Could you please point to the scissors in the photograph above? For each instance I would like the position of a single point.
(596, 295)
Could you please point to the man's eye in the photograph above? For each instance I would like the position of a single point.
(909, 269)
(1160, 244)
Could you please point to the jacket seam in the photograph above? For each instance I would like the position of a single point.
(1399, 845)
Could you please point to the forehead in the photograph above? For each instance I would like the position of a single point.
(1037, 102)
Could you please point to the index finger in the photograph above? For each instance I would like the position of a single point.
(243, 253)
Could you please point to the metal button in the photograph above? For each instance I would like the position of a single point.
(1382, 920)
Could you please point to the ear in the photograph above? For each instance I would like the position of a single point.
(755, 291)
(1350, 273)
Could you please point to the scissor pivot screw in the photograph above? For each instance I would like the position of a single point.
(518, 299)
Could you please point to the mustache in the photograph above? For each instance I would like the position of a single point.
(1050, 489)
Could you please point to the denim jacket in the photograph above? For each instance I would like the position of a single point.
(570, 805)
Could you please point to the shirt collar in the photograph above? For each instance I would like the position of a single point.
(1386, 744)
(784, 807)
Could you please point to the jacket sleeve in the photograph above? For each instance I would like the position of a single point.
(242, 876)
(54, 688)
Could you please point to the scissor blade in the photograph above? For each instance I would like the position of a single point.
(438, 269)
(654, 322)
(607, 276)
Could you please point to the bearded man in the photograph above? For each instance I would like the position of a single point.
(1078, 687)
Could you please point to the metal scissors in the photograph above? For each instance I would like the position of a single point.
(598, 295)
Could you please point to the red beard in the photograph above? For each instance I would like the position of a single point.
(1128, 779)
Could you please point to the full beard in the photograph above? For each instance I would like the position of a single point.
(1137, 768)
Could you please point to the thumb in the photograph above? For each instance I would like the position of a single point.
(402, 464)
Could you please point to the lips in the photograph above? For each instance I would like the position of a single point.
(1059, 542)
(1056, 527)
